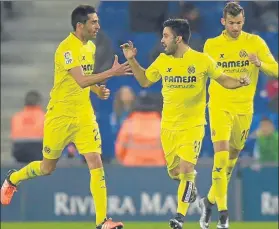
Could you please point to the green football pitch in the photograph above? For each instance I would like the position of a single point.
(134, 225)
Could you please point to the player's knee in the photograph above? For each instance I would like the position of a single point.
(221, 146)
(48, 169)
(234, 153)
(186, 167)
(48, 166)
(93, 160)
(174, 174)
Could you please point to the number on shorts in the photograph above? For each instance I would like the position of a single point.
(197, 146)
(97, 134)
(244, 134)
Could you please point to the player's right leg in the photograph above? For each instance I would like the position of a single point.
(53, 145)
(221, 124)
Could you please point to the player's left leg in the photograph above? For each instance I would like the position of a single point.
(234, 155)
(186, 192)
(183, 148)
(240, 133)
(88, 143)
(99, 191)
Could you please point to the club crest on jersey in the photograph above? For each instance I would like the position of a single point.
(68, 57)
(47, 149)
(243, 53)
(191, 69)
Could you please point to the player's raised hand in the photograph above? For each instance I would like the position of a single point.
(120, 69)
(244, 80)
(129, 51)
(254, 59)
(103, 92)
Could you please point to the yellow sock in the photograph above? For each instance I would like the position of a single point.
(230, 168)
(184, 192)
(99, 192)
(219, 179)
(211, 195)
(30, 171)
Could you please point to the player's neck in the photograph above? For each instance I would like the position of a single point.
(230, 37)
(80, 37)
(181, 51)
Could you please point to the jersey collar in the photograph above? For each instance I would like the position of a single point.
(225, 36)
(75, 39)
(185, 54)
(189, 50)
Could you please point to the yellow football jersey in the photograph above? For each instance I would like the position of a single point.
(67, 96)
(232, 56)
(184, 87)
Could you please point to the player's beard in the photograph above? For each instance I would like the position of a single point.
(233, 34)
(88, 36)
(171, 49)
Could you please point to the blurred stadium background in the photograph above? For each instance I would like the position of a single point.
(140, 191)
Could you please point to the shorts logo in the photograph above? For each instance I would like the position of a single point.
(213, 133)
(191, 69)
(68, 57)
(47, 149)
(243, 53)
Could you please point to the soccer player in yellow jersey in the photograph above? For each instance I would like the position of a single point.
(70, 117)
(184, 73)
(231, 111)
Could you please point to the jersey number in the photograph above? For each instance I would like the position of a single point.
(244, 134)
(197, 146)
(97, 134)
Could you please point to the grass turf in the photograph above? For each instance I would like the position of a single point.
(132, 225)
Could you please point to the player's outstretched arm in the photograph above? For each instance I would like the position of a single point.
(139, 72)
(85, 81)
(233, 83)
(224, 80)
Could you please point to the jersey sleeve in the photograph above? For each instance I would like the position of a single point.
(268, 64)
(152, 73)
(68, 57)
(213, 70)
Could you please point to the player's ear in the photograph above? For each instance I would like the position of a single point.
(223, 21)
(178, 39)
(80, 25)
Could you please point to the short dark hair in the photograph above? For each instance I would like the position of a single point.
(33, 98)
(80, 14)
(232, 8)
(180, 27)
